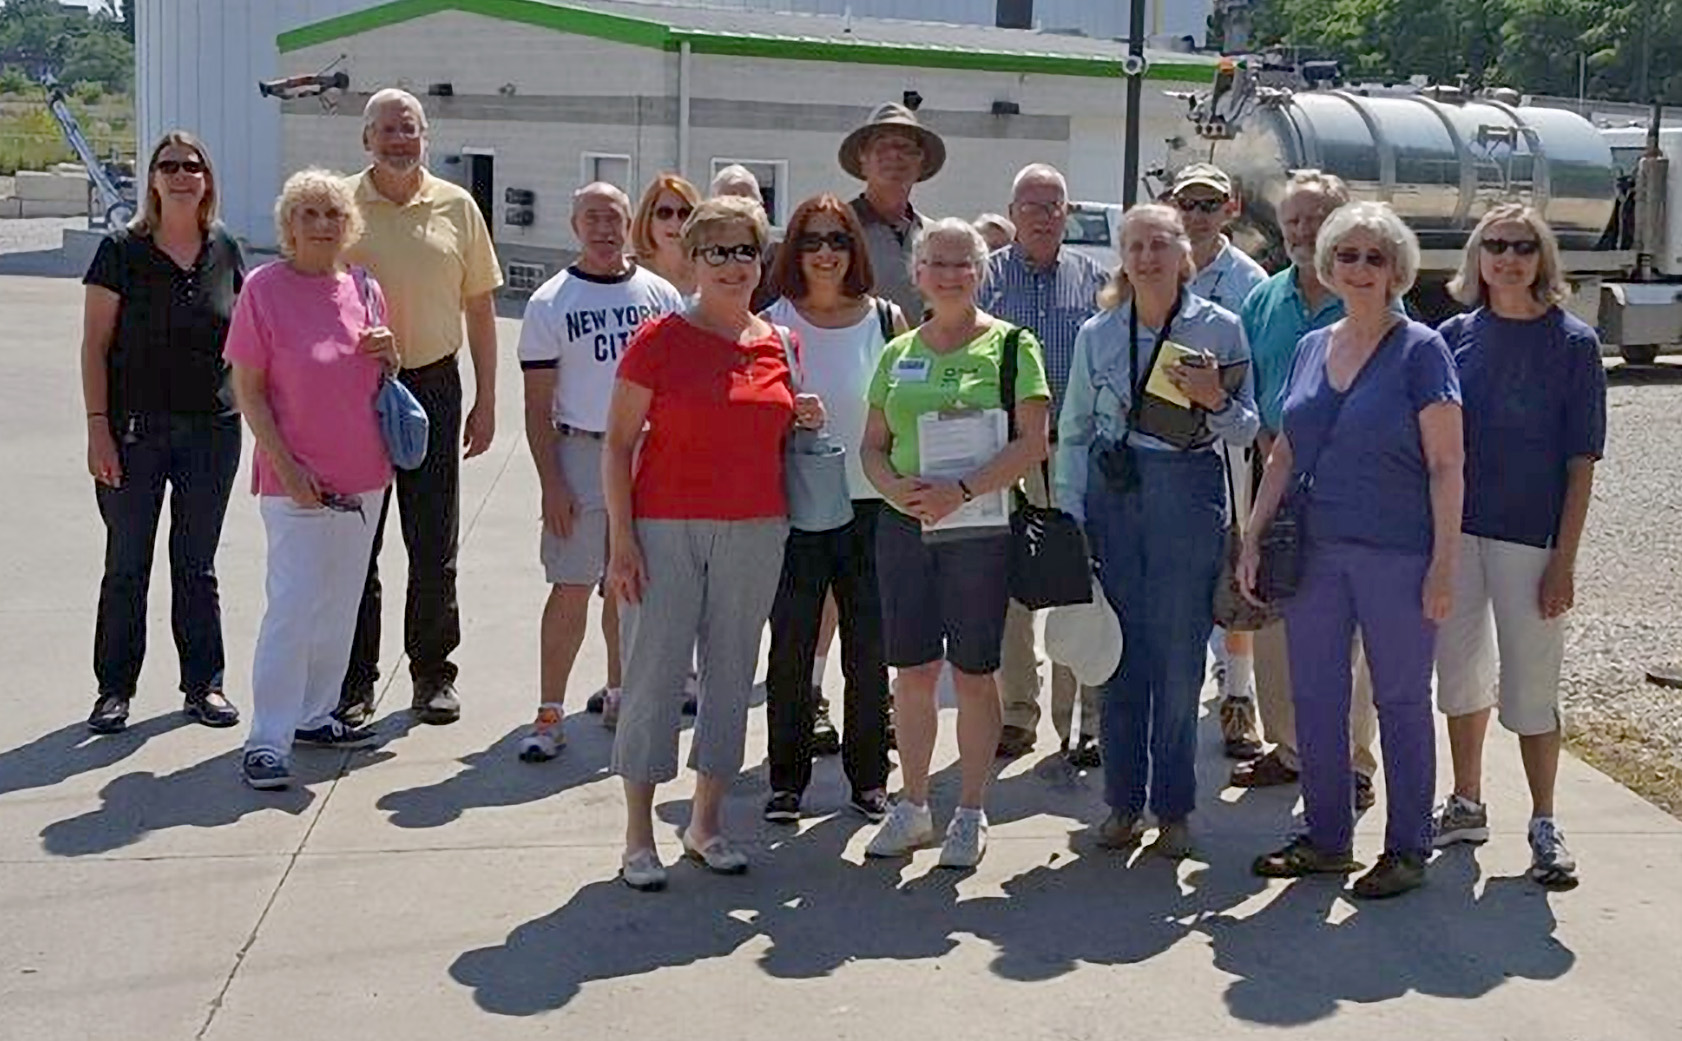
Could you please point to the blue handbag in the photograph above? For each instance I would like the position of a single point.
(403, 422)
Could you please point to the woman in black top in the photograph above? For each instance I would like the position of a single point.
(160, 293)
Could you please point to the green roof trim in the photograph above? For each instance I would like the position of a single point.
(642, 32)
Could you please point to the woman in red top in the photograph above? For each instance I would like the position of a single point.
(697, 531)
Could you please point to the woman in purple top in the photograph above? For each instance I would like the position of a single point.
(1372, 432)
(1535, 425)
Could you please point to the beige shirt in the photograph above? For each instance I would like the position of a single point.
(890, 250)
(430, 256)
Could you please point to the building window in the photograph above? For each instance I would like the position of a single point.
(604, 166)
(772, 175)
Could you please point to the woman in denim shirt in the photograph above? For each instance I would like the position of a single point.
(1155, 515)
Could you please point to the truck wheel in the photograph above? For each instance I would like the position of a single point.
(1641, 354)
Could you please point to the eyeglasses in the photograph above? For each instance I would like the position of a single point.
(718, 256)
(668, 212)
(1042, 210)
(1186, 205)
(839, 241)
(1350, 257)
(1520, 247)
(343, 504)
(171, 167)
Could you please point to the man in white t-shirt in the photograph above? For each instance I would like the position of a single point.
(1204, 195)
(576, 327)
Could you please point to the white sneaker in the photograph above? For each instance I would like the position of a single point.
(907, 828)
(966, 839)
(610, 708)
(545, 740)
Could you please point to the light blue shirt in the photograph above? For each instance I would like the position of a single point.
(1229, 278)
(1276, 318)
(1101, 382)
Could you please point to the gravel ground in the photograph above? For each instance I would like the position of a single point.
(36, 234)
(1627, 618)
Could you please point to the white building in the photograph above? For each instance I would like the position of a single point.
(541, 96)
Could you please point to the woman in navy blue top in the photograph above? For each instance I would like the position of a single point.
(1372, 421)
(160, 293)
(1535, 397)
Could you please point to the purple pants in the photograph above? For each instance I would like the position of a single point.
(1344, 586)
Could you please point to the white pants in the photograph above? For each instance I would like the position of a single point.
(318, 561)
(1497, 605)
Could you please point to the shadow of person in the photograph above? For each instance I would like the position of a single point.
(495, 776)
(209, 794)
(74, 749)
(1299, 958)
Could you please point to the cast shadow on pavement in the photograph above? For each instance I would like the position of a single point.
(495, 776)
(74, 749)
(209, 794)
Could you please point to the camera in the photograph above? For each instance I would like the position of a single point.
(1116, 463)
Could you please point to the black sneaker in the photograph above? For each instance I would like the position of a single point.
(1085, 754)
(356, 706)
(1393, 875)
(825, 739)
(210, 708)
(872, 805)
(110, 714)
(782, 808)
(435, 702)
(336, 735)
(265, 770)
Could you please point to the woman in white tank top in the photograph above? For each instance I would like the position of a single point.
(824, 278)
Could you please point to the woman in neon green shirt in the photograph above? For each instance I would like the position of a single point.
(944, 596)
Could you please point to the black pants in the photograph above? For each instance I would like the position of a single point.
(813, 563)
(197, 457)
(429, 508)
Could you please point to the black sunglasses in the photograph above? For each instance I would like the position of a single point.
(718, 256)
(343, 504)
(171, 167)
(1350, 257)
(810, 242)
(668, 212)
(1199, 205)
(1520, 247)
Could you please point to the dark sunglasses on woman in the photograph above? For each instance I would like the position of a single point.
(718, 256)
(668, 212)
(171, 167)
(1520, 247)
(1350, 257)
(839, 241)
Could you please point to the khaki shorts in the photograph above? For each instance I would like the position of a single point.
(580, 559)
(1495, 648)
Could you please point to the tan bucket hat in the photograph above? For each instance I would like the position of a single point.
(895, 115)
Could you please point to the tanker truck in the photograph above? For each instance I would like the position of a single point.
(1442, 157)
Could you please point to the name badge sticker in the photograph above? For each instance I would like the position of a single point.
(911, 370)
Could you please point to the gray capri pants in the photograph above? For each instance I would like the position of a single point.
(709, 589)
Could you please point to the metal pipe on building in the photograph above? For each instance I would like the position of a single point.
(1135, 98)
(684, 70)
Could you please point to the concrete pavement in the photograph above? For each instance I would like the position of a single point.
(439, 888)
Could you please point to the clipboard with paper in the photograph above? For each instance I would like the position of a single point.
(953, 444)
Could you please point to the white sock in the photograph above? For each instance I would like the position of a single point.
(968, 811)
(1240, 677)
(819, 664)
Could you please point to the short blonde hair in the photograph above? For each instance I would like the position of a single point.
(716, 215)
(1395, 239)
(955, 228)
(1550, 287)
(315, 183)
(1164, 218)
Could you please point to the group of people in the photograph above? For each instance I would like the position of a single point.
(1441, 479)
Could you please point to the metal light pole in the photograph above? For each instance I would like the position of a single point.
(1135, 97)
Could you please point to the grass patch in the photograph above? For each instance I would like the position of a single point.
(30, 138)
(1631, 758)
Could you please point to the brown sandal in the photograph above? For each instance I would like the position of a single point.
(1267, 772)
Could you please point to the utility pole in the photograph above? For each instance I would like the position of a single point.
(1643, 75)
(1135, 96)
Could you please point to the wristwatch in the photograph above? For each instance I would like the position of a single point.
(968, 495)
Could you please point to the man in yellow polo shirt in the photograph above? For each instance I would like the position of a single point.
(428, 246)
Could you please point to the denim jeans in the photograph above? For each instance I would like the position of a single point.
(1158, 547)
(196, 456)
(429, 508)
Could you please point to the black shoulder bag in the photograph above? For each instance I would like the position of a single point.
(1049, 562)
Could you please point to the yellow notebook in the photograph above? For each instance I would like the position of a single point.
(1159, 384)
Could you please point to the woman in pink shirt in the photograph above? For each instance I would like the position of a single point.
(308, 344)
